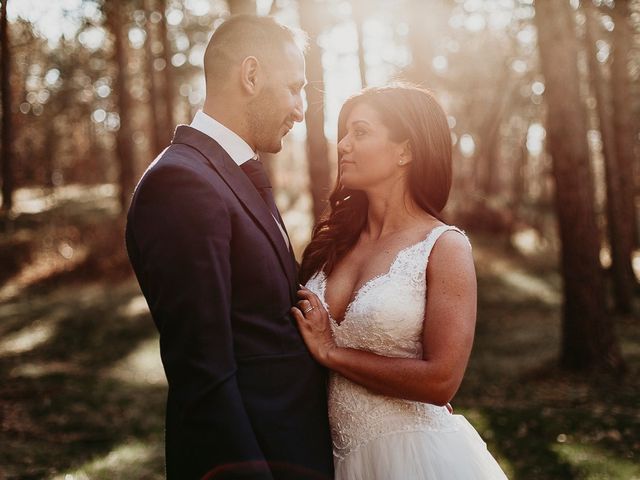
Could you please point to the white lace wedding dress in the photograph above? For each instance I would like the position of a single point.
(376, 437)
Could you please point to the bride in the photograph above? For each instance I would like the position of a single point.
(397, 350)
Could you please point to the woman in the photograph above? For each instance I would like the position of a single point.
(397, 349)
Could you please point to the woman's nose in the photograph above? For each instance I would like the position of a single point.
(344, 145)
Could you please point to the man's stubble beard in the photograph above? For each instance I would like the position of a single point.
(263, 126)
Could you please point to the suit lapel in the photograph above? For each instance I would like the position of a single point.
(243, 189)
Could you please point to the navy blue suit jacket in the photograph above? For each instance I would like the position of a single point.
(245, 398)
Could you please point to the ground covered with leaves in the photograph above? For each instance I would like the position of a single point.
(82, 389)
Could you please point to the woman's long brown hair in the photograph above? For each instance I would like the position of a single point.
(409, 113)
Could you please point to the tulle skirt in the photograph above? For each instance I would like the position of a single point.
(422, 455)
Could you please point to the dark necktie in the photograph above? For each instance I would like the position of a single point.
(254, 169)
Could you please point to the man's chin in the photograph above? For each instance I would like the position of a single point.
(272, 148)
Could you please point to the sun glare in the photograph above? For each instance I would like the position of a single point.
(127, 460)
(142, 366)
(27, 339)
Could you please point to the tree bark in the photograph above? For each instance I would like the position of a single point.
(6, 148)
(317, 150)
(620, 228)
(587, 331)
(623, 125)
(116, 20)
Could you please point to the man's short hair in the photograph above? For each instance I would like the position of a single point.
(247, 35)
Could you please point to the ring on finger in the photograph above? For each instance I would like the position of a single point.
(307, 310)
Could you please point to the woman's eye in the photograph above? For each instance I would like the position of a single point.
(359, 133)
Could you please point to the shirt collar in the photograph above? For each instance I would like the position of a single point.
(231, 142)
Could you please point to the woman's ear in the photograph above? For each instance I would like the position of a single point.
(406, 156)
(249, 75)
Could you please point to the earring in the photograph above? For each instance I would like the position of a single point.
(400, 162)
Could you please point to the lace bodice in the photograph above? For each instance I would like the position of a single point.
(385, 317)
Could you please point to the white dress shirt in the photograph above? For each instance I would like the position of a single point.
(232, 143)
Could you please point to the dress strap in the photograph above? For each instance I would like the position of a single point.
(435, 234)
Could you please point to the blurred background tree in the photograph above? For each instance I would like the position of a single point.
(313, 19)
(587, 332)
(5, 81)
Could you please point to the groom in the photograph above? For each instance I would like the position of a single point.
(214, 262)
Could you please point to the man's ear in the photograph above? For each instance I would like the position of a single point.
(406, 155)
(250, 75)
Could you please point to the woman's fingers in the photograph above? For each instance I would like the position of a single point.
(309, 301)
(306, 307)
(303, 304)
(307, 294)
(297, 314)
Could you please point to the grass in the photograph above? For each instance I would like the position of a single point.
(82, 391)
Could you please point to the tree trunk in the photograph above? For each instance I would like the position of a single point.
(518, 180)
(587, 331)
(116, 20)
(168, 84)
(426, 29)
(5, 151)
(48, 154)
(486, 171)
(359, 8)
(317, 151)
(237, 7)
(155, 125)
(421, 42)
(623, 125)
(620, 228)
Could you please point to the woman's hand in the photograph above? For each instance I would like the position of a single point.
(314, 324)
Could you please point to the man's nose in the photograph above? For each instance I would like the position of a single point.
(298, 111)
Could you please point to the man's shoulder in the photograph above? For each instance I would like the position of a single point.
(181, 156)
(177, 168)
(183, 159)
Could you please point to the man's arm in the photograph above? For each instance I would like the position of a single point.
(182, 230)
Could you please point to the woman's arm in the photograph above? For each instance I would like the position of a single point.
(449, 326)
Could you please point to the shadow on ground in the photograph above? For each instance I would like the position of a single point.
(82, 380)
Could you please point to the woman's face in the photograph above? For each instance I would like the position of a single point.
(368, 158)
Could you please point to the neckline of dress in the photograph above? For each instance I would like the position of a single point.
(357, 293)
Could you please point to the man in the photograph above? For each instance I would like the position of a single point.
(214, 262)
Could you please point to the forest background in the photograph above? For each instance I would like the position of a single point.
(543, 103)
